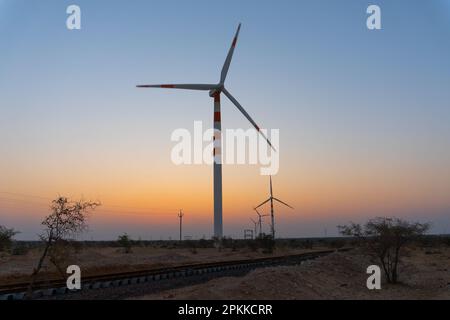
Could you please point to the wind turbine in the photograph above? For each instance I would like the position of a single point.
(214, 91)
(260, 216)
(271, 198)
(255, 224)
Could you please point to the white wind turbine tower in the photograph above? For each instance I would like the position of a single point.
(214, 91)
(271, 198)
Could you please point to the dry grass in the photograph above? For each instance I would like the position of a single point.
(102, 260)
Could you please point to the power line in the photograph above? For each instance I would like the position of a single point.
(24, 195)
(10, 206)
(143, 211)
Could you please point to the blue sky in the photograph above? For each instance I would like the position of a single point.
(345, 98)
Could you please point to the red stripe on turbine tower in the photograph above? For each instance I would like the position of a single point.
(217, 116)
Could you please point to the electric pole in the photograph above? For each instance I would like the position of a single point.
(180, 215)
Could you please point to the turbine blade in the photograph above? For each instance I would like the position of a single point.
(180, 86)
(259, 214)
(242, 110)
(262, 203)
(227, 63)
(282, 202)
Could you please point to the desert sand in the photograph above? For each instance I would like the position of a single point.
(424, 275)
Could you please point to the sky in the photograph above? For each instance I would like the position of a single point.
(363, 115)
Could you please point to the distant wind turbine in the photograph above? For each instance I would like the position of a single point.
(260, 216)
(255, 225)
(214, 91)
(271, 198)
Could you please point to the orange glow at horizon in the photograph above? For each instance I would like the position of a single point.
(158, 195)
(137, 189)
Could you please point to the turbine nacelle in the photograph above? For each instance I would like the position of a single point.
(218, 90)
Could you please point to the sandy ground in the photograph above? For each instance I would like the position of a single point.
(424, 275)
(102, 260)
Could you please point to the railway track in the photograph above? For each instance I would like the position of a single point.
(49, 288)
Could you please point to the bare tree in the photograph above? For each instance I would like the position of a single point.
(59, 254)
(385, 237)
(6, 237)
(67, 220)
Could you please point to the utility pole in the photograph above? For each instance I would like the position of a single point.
(180, 215)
